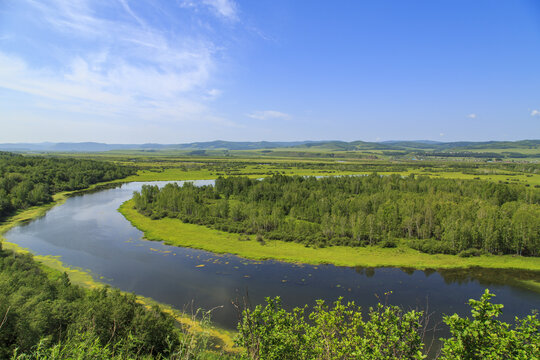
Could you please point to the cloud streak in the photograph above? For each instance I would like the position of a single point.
(126, 66)
(268, 115)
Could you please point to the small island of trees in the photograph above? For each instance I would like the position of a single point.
(452, 216)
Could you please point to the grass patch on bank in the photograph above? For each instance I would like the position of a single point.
(175, 232)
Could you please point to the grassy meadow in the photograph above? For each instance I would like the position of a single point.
(175, 232)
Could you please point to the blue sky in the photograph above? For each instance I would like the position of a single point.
(174, 71)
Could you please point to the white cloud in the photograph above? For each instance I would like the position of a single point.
(472, 116)
(225, 8)
(441, 134)
(268, 115)
(213, 93)
(125, 68)
(535, 113)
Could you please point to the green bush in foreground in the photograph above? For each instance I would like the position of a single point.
(340, 332)
(47, 317)
(485, 337)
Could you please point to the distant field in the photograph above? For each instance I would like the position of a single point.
(171, 171)
(179, 165)
(171, 174)
(529, 151)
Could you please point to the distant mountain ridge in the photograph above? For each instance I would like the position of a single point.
(333, 145)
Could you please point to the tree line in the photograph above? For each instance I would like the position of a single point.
(434, 215)
(31, 180)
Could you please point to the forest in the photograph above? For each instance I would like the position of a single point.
(31, 180)
(452, 216)
(43, 316)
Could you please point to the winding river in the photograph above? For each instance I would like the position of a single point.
(88, 232)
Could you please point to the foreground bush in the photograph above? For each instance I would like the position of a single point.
(340, 332)
(485, 337)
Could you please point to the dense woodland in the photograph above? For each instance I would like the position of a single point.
(30, 180)
(434, 215)
(44, 316)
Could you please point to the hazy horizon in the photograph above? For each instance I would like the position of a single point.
(262, 141)
(135, 72)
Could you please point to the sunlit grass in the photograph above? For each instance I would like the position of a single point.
(175, 232)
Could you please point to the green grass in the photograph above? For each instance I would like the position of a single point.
(175, 232)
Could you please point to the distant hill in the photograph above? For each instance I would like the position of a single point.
(334, 145)
(231, 145)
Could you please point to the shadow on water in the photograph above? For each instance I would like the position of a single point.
(485, 277)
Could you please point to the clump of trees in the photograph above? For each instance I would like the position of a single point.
(31, 180)
(340, 332)
(35, 308)
(44, 316)
(434, 215)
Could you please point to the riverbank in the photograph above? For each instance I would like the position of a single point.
(52, 265)
(175, 232)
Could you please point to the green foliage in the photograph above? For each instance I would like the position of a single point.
(484, 337)
(470, 252)
(30, 180)
(436, 215)
(339, 332)
(54, 315)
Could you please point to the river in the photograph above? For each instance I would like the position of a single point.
(88, 232)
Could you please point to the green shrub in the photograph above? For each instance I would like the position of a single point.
(470, 253)
(339, 332)
(389, 243)
(431, 246)
(485, 338)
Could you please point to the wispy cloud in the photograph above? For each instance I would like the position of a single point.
(472, 116)
(268, 115)
(124, 66)
(535, 112)
(226, 9)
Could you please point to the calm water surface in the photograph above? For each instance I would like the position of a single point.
(88, 232)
